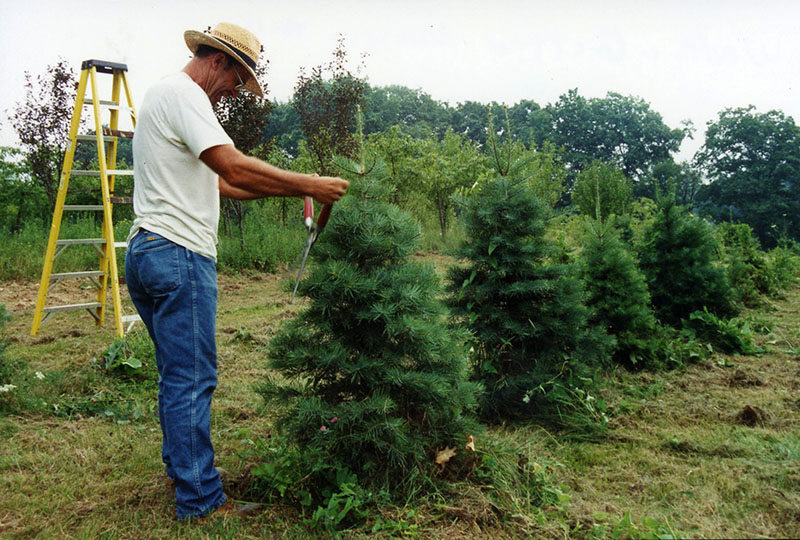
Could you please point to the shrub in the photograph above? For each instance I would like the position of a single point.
(780, 271)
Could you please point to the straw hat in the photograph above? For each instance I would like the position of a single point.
(241, 44)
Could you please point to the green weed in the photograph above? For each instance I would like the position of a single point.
(726, 335)
(625, 527)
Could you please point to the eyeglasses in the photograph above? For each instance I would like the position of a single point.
(239, 87)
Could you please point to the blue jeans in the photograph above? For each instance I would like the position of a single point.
(175, 292)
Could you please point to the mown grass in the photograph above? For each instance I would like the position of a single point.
(79, 457)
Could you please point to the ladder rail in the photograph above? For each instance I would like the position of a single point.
(124, 76)
(108, 258)
(55, 227)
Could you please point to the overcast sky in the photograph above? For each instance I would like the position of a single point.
(688, 58)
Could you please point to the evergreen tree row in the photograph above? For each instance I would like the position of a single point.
(378, 384)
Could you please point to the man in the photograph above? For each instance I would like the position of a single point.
(183, 162)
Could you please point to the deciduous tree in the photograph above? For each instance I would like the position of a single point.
(617, 129)
(753, 162)
(446, 167)
(42, 124)
(328, 101)
(668, 176)
(413, 110)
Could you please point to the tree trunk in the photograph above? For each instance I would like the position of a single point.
(442, 208)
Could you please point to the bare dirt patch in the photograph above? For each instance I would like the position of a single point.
(752, 416)
(742, 378)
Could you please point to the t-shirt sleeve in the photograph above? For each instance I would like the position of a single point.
(195, 123)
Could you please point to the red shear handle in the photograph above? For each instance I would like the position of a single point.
(308, 212)
(324, 214)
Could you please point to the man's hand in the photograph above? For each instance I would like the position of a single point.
(329, 188)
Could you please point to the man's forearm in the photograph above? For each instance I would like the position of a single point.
(259, 177)
(246, 177)
(231, 192)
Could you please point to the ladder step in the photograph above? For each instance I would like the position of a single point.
(84, 207)
(111, 105)
(73, 307)
(110, 172)
(93, 138)
(97, 207)
(83, 274)
(118, 133)
(73, 241)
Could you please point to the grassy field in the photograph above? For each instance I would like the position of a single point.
(712, 451)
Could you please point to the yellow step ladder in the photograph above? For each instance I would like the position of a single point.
(106, 140)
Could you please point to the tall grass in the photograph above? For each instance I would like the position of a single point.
(22, 252)
(264, 244)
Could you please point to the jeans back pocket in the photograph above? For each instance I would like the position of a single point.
(157, 263)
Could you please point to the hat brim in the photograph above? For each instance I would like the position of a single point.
(194, 39)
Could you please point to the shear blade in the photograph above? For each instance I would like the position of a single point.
(302, 265)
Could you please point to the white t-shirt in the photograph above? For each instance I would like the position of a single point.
(175, 194)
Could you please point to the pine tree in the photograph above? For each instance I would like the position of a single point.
(618, 296)
(677, 259)
(746, 265)
(533, 349)
(377, 380)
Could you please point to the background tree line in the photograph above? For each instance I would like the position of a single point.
(747, 170)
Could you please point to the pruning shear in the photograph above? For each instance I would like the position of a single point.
(314, 230)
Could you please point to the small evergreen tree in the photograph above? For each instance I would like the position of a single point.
(745, 262)
(677, 259)
(533, 349)
(618, 296)
(377, 381)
